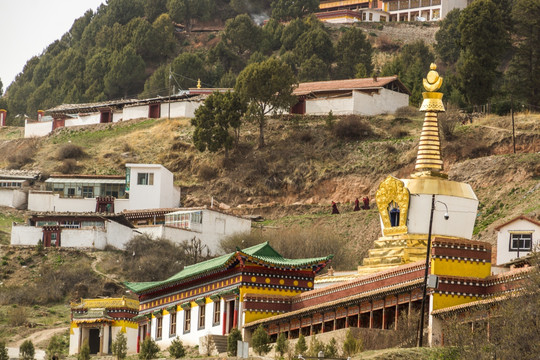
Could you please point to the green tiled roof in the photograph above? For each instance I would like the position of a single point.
(261, 252)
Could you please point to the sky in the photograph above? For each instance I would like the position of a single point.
(27, 27)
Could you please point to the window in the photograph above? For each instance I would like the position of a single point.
(71, 192)
(393, 212)
(196, 217)
(173, 324)
(202, 312)
(217, 312)
(521, 242)
(70, 224)
(88, 191)
(54, 237)
(370, 17)
(145, 179)
(159, 327)
(187, 320)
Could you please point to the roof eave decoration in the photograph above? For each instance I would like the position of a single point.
(262, 254)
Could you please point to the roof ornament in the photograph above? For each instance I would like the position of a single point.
(428, 160)
(198, 83)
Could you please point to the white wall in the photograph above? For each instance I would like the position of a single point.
(113, 234)
(118, 235)
(135, 112)
(192, 338)
(504, 254)
(461, 211)
(183, 108)
(47, 201)
(385, 101)
(449, 5)
(161, 194)
(14, 198)
(215, 227)
(25, 235)
(339, 106)
(41, 128)
(89, 119)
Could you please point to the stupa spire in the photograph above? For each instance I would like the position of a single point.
(428, 160)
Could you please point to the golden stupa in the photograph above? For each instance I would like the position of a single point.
(404, 204)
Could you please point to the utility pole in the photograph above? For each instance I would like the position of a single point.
(169, 111)
(513, 127)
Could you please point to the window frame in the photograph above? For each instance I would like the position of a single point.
(172, 325)
(187, 321)
(202, 317)
(144, 179)
(520, 239)
(216, 319)
(159, 327)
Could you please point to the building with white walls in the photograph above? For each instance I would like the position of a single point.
(207, 225)
(73, 230)
(14, 186)
(517, 238)
(145, 186)
(98, 322)
(368, 96)
(71, 115)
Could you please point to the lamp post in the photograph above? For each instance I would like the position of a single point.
(428, 251)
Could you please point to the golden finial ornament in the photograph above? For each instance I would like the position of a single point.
(428, 160)
(198, 83)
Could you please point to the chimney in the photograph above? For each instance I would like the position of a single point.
(331, 271)
(40, 115)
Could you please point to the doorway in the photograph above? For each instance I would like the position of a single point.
(93, 340)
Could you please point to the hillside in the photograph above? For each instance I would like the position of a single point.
(306, 164)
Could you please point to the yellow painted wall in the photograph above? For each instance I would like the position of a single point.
(257, 315)
(462, 268)
(265, 291)
(441, 301)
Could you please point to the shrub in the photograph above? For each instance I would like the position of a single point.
(352, 128)
(331, 350)
(406, 111)
(119, 346)
(351, 346)
(70, 151)
(300, 348)
(17, 316)
(232, 345)
(282, 345)
(330, 120)
(68, 166)
(207, 345)
(261, 341)
(58, 345)
(27, 351)
(149, 349)
(448, 122)
(207, 172)
(177, 350)
(398, 132)
(315, 346)
(84, 353)
(3, 351)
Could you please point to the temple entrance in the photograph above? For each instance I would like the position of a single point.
(93, 340)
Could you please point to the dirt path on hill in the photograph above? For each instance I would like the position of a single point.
(37, 337)
(97, 259)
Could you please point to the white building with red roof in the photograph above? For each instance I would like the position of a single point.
(367, 96)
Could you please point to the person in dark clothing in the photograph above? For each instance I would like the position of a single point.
(356, 205)
(366, 203)
(334, 208)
